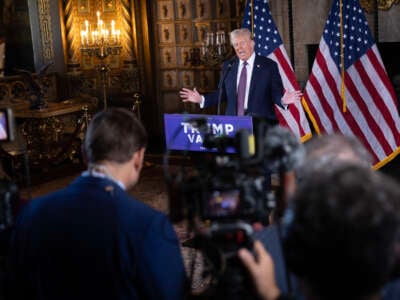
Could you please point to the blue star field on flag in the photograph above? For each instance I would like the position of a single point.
(357, 38)
(266, 35)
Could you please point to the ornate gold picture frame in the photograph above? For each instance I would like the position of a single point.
(368, 5)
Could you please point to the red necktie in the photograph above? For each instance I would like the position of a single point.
(241, 93)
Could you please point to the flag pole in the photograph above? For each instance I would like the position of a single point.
(291, 38)
(342, 55)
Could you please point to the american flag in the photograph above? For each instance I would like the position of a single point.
(365, 106)
(269, 43)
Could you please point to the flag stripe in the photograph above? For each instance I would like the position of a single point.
(367, 129)
(313, 90)
(346, 122)
(328, 122)
(384, 86)
(328, 90)
(287, 119)
(290, 84)
(376, 61)
(286, 68)
(376, 108)
(323, 88)
(363, 92)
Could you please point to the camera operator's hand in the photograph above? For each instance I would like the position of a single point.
(261, 269)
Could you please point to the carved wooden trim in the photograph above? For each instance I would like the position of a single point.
(45, 30)
(126, 26)
(72, 43)
(368, 5)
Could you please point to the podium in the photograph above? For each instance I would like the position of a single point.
(186, 132)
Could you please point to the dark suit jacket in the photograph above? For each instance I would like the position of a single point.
(93, 241)
(266, 88)
(269, 237)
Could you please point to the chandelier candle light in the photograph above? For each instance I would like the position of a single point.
(101, 43)
(101, 38)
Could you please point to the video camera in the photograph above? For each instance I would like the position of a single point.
(224, 194)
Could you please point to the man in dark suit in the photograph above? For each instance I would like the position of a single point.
(92, 240)
(250, 84)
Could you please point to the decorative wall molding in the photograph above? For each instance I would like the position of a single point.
(72, 43)
(127, 37)
(46, 31)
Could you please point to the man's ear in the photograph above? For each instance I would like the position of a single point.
(138, 159)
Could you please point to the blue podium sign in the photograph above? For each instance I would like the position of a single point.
(180, 134)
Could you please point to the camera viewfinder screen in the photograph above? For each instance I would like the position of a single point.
(3, 126)
(224, 203)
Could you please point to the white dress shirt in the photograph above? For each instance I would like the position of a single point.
(250, 64)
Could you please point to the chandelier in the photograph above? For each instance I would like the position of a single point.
(213, 51)
(101, 42)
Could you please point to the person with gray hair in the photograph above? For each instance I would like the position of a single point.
(322, 150)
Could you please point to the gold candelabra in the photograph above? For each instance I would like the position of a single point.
(101, 42)
(213, 50)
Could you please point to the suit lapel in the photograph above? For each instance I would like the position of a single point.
(254, 75)
(230, 82)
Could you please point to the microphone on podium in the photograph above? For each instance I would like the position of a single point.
(221, 83)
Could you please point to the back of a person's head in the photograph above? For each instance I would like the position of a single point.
(326, 150)
(341, 231)
(114, 136)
